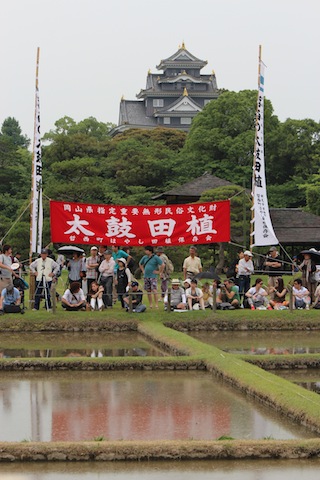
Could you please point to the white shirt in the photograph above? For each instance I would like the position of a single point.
(44, 267)
(245, 268)
(74, 298)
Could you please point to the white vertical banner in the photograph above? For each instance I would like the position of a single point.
(262, 232)
(36, 189)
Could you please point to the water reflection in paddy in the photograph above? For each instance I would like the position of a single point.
(262, 343)
(111, 344)
(308, 379)
(58, 406)
(200, 470)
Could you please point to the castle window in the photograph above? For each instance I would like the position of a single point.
(185, 120)
(158, 102)
(166, 120)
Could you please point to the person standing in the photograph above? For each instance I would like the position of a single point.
(44, 268)
(151, 266)
(192, 264)
(245, 270)
(77, 268)
(122, 279)
(5, 267)
(274, 267)
(106, 269)
(167, 270)
(92, 264)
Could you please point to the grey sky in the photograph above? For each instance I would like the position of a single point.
(94, 51)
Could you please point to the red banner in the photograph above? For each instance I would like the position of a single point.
(121, 225)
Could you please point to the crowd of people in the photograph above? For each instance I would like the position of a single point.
(96, 282)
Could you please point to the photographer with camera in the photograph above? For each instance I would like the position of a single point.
(10, 300)
(229, 295)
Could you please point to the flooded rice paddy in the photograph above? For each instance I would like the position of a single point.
(47, 345)
(132, 405)
(204, 470)
(262, 343)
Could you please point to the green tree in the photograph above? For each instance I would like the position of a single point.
(12, 130)
(221, 138)
(240, 204)
(89, 126)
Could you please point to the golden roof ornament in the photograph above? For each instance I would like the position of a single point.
(183, 47)
(149, 71)
(122, 98)
(185, 92)
(213, 72)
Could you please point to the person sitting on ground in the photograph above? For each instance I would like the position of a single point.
(178, 300)
(230, 294)
(10, 300)
(279, 300)
(122, 279)
(136, 298)
(194, 296)
(73, 298)
(207, 295)
(95, 296)
(316, 303)
(257, 296)
(216, 287)
(301, 295)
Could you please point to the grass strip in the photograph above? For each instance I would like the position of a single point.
(157, 450)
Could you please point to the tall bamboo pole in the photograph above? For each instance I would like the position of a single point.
(32, 277)
(254, 157)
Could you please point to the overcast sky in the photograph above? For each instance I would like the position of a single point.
(94, 51)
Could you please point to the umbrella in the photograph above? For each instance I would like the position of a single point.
(211, 274)
(70, 249)
(314, 254)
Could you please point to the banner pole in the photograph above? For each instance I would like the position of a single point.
(32, 233)
(254, 160)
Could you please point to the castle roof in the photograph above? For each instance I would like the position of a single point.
(181, 58)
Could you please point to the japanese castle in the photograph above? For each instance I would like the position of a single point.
(171, 99)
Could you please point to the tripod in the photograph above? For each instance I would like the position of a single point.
(42, 284)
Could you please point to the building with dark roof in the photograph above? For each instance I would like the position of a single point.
(293, 226)
(171, 99)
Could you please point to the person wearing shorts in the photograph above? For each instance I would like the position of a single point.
(151, 266)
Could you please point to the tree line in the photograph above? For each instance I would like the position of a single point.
(82, 163)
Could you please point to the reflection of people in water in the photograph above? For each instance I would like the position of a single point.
(99, 354)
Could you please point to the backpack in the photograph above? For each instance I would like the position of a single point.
(169, 268)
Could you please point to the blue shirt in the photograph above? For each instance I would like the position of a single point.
(9, 299)
(116, 256)
(153, 264)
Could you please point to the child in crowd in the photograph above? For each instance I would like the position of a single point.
(122, 280)
(95, 296)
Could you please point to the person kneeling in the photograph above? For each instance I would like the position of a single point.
(10, 300)
(178, 300)
(73, 298)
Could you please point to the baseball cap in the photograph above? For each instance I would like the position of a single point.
(134, 284)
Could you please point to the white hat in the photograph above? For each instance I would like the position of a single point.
(247, 252)
(187, 280)
(94, 248)
(175, 281)
(123, 260)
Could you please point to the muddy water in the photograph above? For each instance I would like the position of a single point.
(262, 343)
(124, 344)
(58, 406)
(191, 470)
